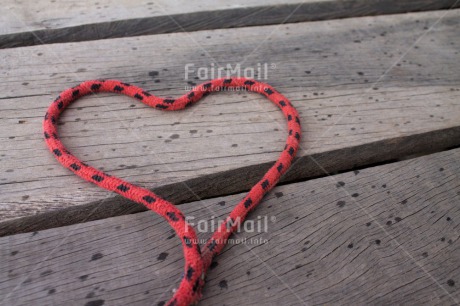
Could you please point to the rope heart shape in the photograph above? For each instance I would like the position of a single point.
(197, 260)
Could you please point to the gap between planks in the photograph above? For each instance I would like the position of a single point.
(230, 182)
(71, 21)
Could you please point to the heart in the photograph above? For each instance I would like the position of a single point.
(197, 260)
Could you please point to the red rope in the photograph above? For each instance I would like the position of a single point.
(197, 260)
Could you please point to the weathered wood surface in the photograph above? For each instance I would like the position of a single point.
(67, 21)
(333, 86)
(386, 235)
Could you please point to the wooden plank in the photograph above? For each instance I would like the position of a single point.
(71, 21)
(381, 235)
(348, 121)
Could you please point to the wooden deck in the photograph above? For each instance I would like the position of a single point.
(369, 214)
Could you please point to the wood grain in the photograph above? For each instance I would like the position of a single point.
(355, 110)
(72, 21)
(230, 182)
(382, 235)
